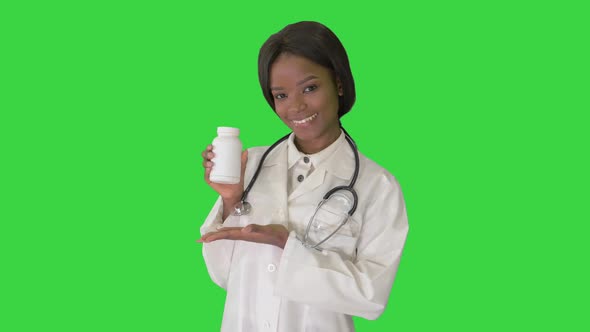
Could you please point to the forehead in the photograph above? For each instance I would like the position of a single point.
(288, 67)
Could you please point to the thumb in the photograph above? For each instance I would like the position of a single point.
(252, 228)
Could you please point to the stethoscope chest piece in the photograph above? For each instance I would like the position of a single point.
(242, 208)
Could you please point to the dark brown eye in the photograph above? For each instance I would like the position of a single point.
(310, 88)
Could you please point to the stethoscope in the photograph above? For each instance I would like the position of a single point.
(244, 208)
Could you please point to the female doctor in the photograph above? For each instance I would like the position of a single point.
(271, 257)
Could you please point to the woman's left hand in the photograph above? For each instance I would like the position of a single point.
(273, 234)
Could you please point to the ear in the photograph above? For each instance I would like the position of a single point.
(339, 86)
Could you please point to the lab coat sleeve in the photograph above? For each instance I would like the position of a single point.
(359, 287)
(217, 254)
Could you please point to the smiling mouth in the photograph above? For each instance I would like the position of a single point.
(306, 120)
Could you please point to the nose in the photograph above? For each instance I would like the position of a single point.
(297, 104)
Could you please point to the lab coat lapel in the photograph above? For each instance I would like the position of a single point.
(314, 180)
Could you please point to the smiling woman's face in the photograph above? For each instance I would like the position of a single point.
(306, 99)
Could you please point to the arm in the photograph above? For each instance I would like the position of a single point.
(217, 255)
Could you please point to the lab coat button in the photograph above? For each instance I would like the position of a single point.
(271, 267)
(305, 160)
(300, 178)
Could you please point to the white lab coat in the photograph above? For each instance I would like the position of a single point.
(302, 289)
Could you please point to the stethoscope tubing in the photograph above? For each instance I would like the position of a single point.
(259, 168)
(244, 206)
(350, 186)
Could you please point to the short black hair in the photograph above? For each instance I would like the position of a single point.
(315, 42)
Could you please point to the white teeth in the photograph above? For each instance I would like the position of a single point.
(305, 120)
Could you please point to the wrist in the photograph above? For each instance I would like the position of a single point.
(232, 200)
(229, 205)
(282, 241)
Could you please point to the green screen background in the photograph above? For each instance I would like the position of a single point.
(479, 108)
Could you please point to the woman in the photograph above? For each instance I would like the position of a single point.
(275, 277)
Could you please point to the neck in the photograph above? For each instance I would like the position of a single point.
(318, 144)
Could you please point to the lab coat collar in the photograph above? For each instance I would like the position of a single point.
(294, 155)
(340, 163)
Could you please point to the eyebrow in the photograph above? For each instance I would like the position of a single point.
(308, 78)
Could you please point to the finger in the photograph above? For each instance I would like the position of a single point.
(244, 156)
(207, 151)
(207, 163)
(207, 173)
(207, 155)
(230, 233)
(244, 161)
(205, 237)
(223, 229)
(202, 238)
(220, 230)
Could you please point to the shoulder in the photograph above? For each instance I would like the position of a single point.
(375, 175)
(380, 194)
(257, 150)
(254, 159)
(255, 153)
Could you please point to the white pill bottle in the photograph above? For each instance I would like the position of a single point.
(227, 163)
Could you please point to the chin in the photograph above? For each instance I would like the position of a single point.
(306, 135)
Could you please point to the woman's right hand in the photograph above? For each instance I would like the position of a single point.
(230, 193)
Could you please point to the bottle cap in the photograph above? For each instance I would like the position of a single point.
(228, 131)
